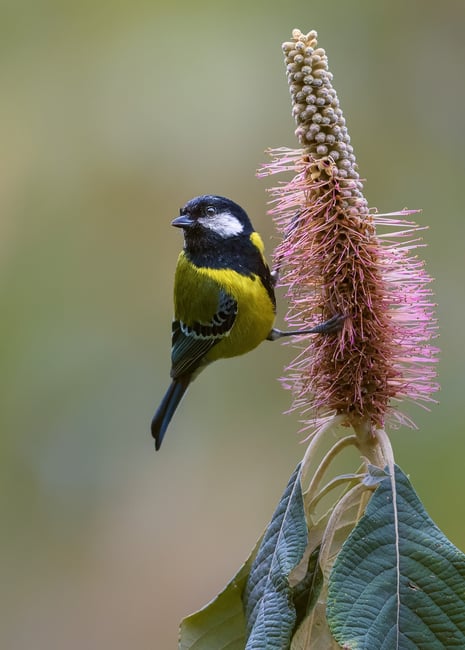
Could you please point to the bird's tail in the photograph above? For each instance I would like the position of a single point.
(168, 406)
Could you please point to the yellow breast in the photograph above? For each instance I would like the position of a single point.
(196, 299)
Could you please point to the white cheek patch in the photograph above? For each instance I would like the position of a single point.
(224, 224)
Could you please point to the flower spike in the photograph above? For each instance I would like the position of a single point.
(333, 261)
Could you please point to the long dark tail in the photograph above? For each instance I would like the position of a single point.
(168, 406)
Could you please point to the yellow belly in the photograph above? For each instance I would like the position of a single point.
(196, 299)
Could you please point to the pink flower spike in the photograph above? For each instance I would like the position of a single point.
(333, 261)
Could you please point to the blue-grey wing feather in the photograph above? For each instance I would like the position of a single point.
(190, 343)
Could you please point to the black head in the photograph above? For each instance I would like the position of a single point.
(214, 217)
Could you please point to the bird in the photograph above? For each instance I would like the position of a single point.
(224, 299)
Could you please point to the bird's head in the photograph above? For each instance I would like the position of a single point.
(213, 217)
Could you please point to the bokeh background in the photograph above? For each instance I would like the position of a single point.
(113, 114)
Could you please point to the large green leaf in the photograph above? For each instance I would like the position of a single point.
(398, 582)
(220, 625)
(268, 597)
(306, 591)
(313, 631)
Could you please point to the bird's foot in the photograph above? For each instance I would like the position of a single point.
(329, 326)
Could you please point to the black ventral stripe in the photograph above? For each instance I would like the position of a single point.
(237, 254)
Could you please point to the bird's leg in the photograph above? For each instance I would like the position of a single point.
(334, 324)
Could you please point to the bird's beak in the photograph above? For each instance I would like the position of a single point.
(183, 221)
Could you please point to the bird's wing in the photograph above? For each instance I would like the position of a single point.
(190, 343)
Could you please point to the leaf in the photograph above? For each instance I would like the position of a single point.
(268, 597)
(315, 635)
(220, 625)
(374, 475)
(313, 632)
(306, 592)
(398, 582)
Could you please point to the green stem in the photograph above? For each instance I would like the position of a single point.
(335, 482)
(350, 498)
(327, 459)
(332, 422)
(370, 445)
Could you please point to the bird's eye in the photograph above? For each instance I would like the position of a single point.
(210, 211)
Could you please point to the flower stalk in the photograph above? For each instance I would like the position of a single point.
(333, 261)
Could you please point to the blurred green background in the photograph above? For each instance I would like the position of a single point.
(113, 114)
